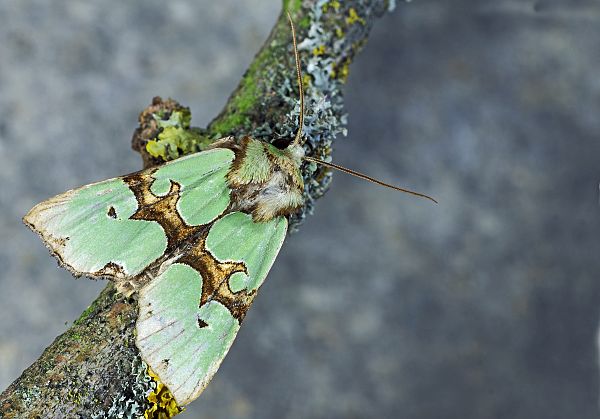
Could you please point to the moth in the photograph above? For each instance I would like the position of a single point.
(193, 239)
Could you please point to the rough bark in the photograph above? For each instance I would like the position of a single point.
(94, 369)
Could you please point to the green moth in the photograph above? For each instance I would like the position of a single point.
(194, 239)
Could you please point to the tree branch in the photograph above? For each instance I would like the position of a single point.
(94, 369)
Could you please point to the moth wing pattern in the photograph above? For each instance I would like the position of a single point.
(201, 262)
(183, 334)
(94, 231)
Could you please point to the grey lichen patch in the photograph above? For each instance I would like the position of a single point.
(336, 33)
(130, 402)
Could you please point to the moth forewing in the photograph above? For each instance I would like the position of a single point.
(119, 227)
(90, 232)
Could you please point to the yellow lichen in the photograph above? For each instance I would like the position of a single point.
(320, 50)
(176, 137)
(339, 32)
(334, 4)
(353, 17)
(341, 71)
(306, 80)
(162, 402)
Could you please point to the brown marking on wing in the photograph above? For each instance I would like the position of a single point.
(162, 209)
(215, 279)
(57, 243)
(111, 269)
(190, 241)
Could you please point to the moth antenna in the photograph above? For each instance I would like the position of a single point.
(298, 139)
(365, 177)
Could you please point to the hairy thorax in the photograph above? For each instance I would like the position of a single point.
(266, 181)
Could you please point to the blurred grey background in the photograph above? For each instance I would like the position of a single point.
(485, 306)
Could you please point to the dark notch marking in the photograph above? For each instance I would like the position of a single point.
(112, 213)
(190, 240)
(201, 323)
(111, 270)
